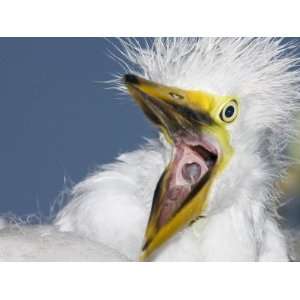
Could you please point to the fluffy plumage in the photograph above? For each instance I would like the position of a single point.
(45, 243)
(112, 205)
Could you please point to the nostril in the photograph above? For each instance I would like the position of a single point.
(176, 96)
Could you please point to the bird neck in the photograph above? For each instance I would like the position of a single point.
(233, 234)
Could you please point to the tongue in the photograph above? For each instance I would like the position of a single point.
(191, 172)
(186, 170)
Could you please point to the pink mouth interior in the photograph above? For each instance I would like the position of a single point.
(193, 159)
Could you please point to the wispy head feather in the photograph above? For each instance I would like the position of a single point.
(262, 70)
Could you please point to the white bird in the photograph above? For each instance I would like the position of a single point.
(206, 189)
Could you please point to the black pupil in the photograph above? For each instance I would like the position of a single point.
(229, 111)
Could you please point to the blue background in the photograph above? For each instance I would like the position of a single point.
(57, 123)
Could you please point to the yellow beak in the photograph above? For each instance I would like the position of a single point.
(180, 113)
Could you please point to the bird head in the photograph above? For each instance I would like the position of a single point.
(225, 106)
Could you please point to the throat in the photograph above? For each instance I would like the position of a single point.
(234, 234)
(188, 172)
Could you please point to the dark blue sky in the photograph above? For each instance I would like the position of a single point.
(55, 121)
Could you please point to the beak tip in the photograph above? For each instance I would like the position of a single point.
(130, 79)
(142, 256)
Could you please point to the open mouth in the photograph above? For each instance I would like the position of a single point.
(200, 151)
(193, 160)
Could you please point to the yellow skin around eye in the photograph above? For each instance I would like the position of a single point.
(222, 102)
(230, 119)
(212, 104)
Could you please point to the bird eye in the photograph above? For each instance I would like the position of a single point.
(229, 111)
